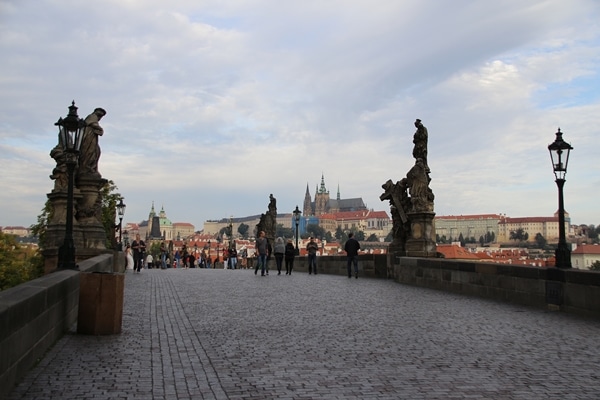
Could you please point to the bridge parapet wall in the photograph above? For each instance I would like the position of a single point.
(572, 290)
(35, 314)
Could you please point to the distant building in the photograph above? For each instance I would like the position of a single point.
(161, 227)
(16, 230)
(368, 221)
(323, 204)
(546, 226)
(585, 255)
(469, 226)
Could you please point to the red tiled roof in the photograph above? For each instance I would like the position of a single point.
(451, 251)
(524, 220)
(475, 216)
(587, 249)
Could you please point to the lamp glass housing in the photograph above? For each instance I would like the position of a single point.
(559, 154)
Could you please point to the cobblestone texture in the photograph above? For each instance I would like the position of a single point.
(228, 334)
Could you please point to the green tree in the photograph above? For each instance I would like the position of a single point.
(339, 233)
(329, 237)
(373, 238)
(519, 235)
(155, 250)
(461, 239)
(17, 264)
(540, 240)
(481, 240)
(314, 230)
(243, 230)
(39, 229)
(109, 197)
(360, 236)
(595, 266)
(284, 232)
(389, 237)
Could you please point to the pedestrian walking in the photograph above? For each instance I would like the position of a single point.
(233, 258)
(351, 247)
(129, 259)
(312, 248)
(262, 252)
(279, 251)
(149, 261)
(139, 247)
(290, 253)
(163, 255)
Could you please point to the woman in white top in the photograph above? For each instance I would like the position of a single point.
(129, 258)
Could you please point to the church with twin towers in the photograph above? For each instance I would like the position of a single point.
(324, 204)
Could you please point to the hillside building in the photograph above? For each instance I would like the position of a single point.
(323, 204)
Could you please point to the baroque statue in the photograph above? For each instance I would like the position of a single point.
(268, 221)
(90, 149)
(411, 203)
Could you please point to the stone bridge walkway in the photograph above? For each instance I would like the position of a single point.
(228, 334)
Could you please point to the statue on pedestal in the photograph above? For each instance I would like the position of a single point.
(268, 221)
(411, 204)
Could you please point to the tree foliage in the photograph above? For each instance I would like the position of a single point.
(315, 231)
(373, 238)
(540, 240)
(519, 235)
(595, 266)
(109, 197)
(18, 264)
(284, 232)
(243, 230)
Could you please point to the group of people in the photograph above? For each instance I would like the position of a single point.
(134, 255)
(287, 252)
(283, 252)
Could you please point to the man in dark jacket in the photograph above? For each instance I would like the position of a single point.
(311, 249)
(351, 247)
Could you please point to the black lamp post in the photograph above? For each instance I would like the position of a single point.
(230, 232)
(120, 212)
(208, 248)
(559, 154)
(70, 134)
(297, 213)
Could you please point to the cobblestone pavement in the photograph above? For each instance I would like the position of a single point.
(228, 334)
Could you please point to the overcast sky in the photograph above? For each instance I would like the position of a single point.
(212, 105)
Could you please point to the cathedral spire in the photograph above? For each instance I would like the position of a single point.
(322, 189)
(338, 192)
(307, 206)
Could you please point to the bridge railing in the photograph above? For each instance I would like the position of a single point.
(34, 315)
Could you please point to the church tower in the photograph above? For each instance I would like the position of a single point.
(321, 198)
(151, 219)
(307, 207)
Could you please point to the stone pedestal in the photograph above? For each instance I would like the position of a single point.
(100, 303)
(89, 216)
(422, 235)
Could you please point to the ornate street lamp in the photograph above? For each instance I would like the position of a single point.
(297, 213)
(559, 154)
(120, 212)
(70, 133)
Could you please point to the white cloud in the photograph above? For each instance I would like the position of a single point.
(213, 105)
